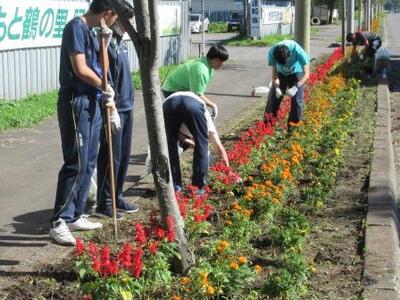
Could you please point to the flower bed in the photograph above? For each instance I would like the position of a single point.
(248, 238)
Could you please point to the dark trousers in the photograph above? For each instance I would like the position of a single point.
(273, 103)
(178, 110)
(80, 124)
(122, 150)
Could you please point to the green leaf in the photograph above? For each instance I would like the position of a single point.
(82, 273)
(126, 295)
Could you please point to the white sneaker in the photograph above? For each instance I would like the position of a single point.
(84, 224)
(61, 234)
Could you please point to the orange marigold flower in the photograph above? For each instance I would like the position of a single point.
(257, 268)
(275, 201)
(185, 280)
(176, 298)
(204, 278)
(210, 290)
(228, 222)
(242, 260)
(222, 245)
(236, 206)
(234, 265)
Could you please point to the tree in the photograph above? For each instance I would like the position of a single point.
(146, 39)
(332, 4)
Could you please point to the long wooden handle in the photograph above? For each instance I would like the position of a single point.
(104, 67)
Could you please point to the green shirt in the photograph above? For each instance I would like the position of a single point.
(193, 76)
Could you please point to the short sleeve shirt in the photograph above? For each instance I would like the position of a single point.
(297, 59)
(78, 38)
(192, 76)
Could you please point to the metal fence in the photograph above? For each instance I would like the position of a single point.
(216, 16)
(35, 70)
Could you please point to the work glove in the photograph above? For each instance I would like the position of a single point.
(107, 97)
(105, 32)
(292, 91)
(214, 111)
(361, 56)
(278, 92)
(115, 121)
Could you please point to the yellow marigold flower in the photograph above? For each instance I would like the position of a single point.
(222, 245)
(204, 277)
(176, 298)
(242, 260)
(257, 268)
(185, 280)
(247, 212)
(228, 222)
(234, 265)
(210, 290)
(275, 201)
(249, 195)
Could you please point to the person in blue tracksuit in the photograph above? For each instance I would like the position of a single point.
(79, 116)
(290, 71)
(121, 81)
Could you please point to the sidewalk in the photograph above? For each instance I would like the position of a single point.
(30, 158)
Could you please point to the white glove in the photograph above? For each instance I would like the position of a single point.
(214, 112)
(278, 92)
(105, 32)
(362, 56)
(115, 121)
(107, 97)
(292, 91)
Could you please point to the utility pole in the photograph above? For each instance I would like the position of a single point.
(245, 30)
(203, 33)
(368, 15)
(361, 14)
(343, 26)
(350, 16)
(302, 24)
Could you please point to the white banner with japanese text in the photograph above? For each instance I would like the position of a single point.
(276, 14)
(25, 24)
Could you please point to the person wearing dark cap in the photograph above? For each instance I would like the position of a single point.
(79, 116)
(121, 81)
(290, 71)
(195, 75)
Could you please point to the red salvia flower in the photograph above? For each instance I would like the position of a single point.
(171, 230)
(153, 247)
(79, 247)
(140, 236)
(137, 264)
(125, 256)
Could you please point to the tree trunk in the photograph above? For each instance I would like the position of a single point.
(147, 44)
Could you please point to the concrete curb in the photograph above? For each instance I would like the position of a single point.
(382, 256)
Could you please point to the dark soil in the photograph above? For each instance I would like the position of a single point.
(337, 240)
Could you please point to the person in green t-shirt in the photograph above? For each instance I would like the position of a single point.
(195, 75)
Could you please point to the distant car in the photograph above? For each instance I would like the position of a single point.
(235, 21)
(196, 24)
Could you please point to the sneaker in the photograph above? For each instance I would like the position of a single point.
(60, 233)
(107, 213)
(83, 224)
(127, 207)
